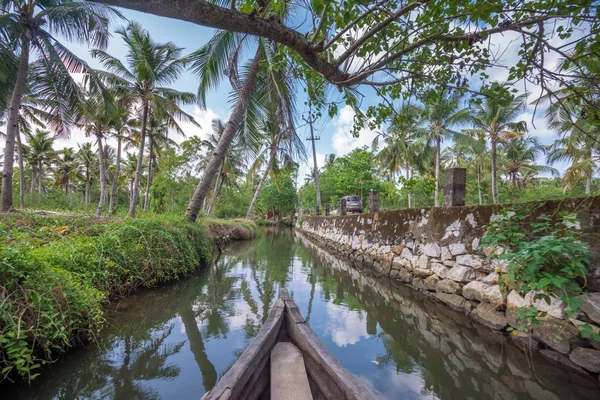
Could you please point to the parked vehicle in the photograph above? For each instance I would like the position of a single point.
(353, 204)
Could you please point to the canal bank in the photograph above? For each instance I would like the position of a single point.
(58, 274)
(438, 252)
(175, 341)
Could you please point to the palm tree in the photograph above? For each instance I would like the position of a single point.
(65, 166)
(158, 139)
(219, 57)
(149, 66)
(495, 116)
(470, 149)
(33, 25)
(122, 126)
(283, 148)
(442, 112)
(86, 157)
(96, 114)
(401, 149)
(40, 152)
(578, 145)
(521, 154)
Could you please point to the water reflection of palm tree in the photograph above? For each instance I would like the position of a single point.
(209, 373)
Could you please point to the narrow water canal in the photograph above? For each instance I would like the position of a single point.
(175, 342)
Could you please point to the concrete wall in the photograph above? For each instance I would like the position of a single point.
(437, 251)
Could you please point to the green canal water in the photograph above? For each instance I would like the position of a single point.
(175, 342)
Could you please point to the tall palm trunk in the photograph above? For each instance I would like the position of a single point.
(438, 145)
(262, 180)
(21, 171)
(103, 183)
(479, 185)
(149, 179)
(140, 164)
(588, 184)
(33, 178)
(216, 190)
(224, 142)
(115, 185)
(88, 186)
(494, 178)
(6, 197)
(40, 178)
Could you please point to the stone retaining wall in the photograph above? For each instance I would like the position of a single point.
(437, 251)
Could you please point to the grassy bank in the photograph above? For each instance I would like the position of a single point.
(57, 273)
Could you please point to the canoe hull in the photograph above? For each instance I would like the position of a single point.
(249, 377)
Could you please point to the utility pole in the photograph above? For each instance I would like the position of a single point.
(310, 121)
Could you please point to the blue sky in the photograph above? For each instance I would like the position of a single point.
(334, 133)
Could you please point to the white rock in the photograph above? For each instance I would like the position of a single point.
(556, 308)
(474, 290)
(515, 300)
(460, 273)
(446, 255)
(356, 243)
(493, 295)
(431, 250)
(385, 249)
(490, 279)
(469, 260)
(475, 244)
(406, 253)
(439, 270)
(457, 249)
(423, 262)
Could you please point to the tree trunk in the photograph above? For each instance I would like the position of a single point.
(438, 146)
(21, 171)
(140, 164)
(149, 179)
(479, 186)
(115, 185)
(103, 183)
(6, 198)
(88, 187)
(262, 181)
(224, 142)
(40, 178)
(494, 179)
(588, 185)
(216, 190)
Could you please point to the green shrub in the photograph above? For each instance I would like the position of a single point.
(55, 274)
(544, 255)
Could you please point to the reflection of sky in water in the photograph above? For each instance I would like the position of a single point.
(175, 341)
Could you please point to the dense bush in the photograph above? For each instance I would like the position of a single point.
(55, 273)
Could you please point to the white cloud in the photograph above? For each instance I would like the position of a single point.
(306, 167)
(346, 327)
(203, 117)
(342, 141)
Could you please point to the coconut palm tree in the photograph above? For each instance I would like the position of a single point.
(33, 25)
(578, 145)
(401, 149)
(283, 148)
(495, 117)
(122, 126)
(220, 57)
(521, 155)
(470, 150)
(86, 158)
(158, 140)
(442, 112)
(149, 66)
(65, 166)
(95, 116)
(40, 152)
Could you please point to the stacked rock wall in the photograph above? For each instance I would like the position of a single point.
(437, 251)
